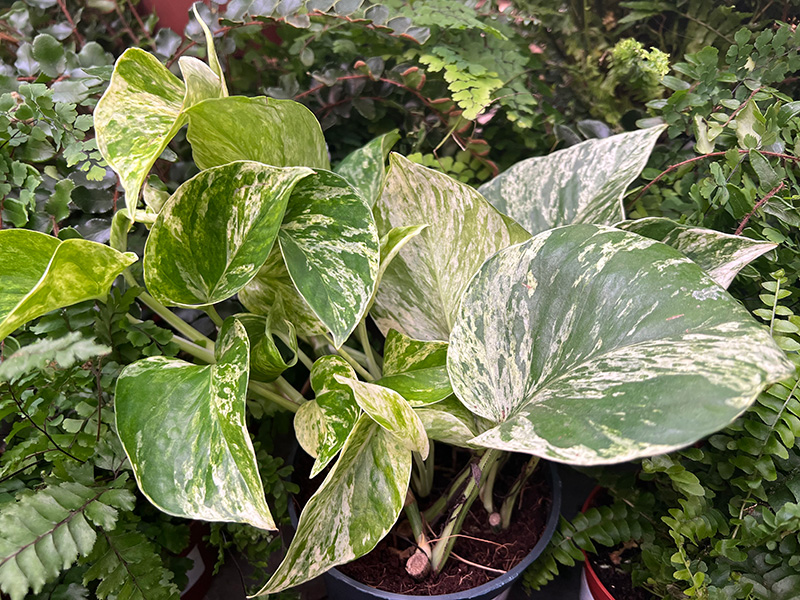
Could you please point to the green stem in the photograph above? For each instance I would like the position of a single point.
(422, 474)
(175, 321)
(363, 337)
(455, 521)
(436, 510)
(263, 390)
(487, 489)
(199, 352)
(511, 499)
(287, 389)
(352, 361)
(213, 315)
(418, 565)
(304, 358)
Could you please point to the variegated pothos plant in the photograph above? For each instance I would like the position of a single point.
(526, 316)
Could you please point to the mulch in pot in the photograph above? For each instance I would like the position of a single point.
(609, 566)
(384, 567)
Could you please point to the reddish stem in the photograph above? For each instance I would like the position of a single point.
(63, 5)
(758, 205)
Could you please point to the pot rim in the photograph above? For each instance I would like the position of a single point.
(498, 583)
(592, 580)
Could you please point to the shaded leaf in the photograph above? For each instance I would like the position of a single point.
(267, 361)
(365, 168)
(415, 369)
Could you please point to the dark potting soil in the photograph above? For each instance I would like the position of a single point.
(384, 567)
(608, 566)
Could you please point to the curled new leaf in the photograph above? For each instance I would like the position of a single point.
(602, 346)
(40, 273)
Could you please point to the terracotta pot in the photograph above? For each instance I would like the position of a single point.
(342, 587)
(171, 13)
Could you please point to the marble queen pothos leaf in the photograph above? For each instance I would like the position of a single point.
(216, 232)
(281, 133)
(267, 361)
(142, 110)
(415, 369)
(421, 288)
(365, 168)
(354, 508)
(40, 273)
(331, 249)
(183, 429)
(601, 346)
(391, 411)
(323, 424)
(581, 184)
(721, 255)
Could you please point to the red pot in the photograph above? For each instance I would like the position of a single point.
(171, 13)
(591, 586)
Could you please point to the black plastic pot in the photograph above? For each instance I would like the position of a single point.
(342, 587)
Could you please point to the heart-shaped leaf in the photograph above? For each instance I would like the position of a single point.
(354, 508)
(601, 346)
(281, 133)
(267, 361)
(272, 292)
(142, 110)
(721, 255)
(216, 232)
(40, 273)
(391, 411)
(582, 184)
(323, 424)
(183, 429)
(415, 369)
(331, 249)
(365, 168)
(421, 288)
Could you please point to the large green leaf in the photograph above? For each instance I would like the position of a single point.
(323, 424)
(331, 249)
(582, 184)
(421, 288)
(216, 232)
(415, 369)
(40, 273)
(599, 346)
(142, 110)
(281, 133)
(365, 168)
(354, 508)
(391, 411)
(272, 292)
(450, 422)
(183, 429)
(721, 255)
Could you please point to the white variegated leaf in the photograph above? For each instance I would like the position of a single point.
(421, 288)
(391, 411)
(415, 369)
(581, 184)
(183, 429)
(450, 422)
(354, 508)
(601, 346)
(365, 168)
(323, 424)
(721, 255)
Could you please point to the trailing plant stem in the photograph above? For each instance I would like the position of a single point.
(264, 391)
(511, 499)
(435, 510)
(442, 549)
(352, 361)
(422, 474)
(213, 315)
(175, 321)
(363, 336)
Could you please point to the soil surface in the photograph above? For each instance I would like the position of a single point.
(609, 568)
(383, 568)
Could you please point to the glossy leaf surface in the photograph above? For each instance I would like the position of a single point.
(365, 168)
(602, 346)
(721, 255)
(415, 369)
(450, 422)
(183, 429)
(323, 424)
(581, 184)
(421, 288)
(40, 273)
(142, 110)
(216, 232)
(354, 508)
(281, 133)
(391, 411)
(331, 249)
(267, 361)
